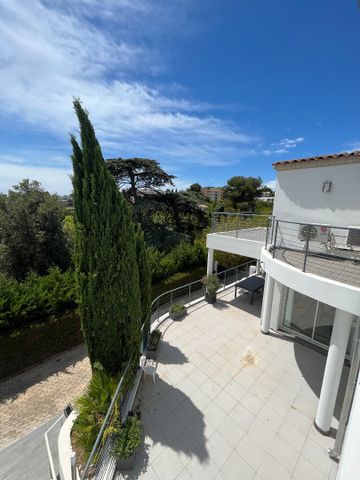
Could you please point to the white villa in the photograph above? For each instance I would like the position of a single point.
(255, 387)
(310, 255)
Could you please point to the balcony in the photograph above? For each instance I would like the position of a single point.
(229, 401)
(328, 251)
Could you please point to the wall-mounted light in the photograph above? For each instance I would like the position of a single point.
(327, 186)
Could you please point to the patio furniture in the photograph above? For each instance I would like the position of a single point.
(149, 368)
(253, 284)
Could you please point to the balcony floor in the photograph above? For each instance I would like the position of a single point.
(230, 402)
(257, 234)
(339, 269)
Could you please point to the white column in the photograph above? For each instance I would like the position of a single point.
(289, 306)
(210, 261)
(267, 303)
(257, 267)
(350, 459)
(333, 368)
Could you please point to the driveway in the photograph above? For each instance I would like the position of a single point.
(36, 395)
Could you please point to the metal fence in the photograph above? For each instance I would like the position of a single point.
(194, 291)
(233, 222)
(325, 250)
(101, 463)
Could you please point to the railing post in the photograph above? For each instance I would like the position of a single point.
(306, 247)
(225, 280)
(189, 293)
(73, 466)
(276, 231)
(171, 298)
(158, 309)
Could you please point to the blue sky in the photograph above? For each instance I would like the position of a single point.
(211, 89)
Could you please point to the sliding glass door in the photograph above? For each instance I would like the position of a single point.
(309, 318)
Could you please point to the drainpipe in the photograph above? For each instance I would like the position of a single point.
(210, 261)
(267, 304)
(333, 369)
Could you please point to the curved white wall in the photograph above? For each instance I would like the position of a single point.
(336, 294)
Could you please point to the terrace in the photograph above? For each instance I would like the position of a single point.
(230, 399)
(329, 251)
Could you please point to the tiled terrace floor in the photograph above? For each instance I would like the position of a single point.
(231, 403)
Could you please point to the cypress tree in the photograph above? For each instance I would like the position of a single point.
(145, 278)
(105, 256)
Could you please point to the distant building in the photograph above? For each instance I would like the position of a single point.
(67, 200)
(213, 193)
(267, 197)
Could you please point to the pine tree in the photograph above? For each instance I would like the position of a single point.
(105, 256)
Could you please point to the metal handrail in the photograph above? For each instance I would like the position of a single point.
(105, 423)
(188, 295)
(156, 300)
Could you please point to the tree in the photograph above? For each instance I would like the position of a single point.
(195, 187)
(134, 174)
(31, 233)
(183, 208)
(240, 192)
(144, 277)
(107, 273)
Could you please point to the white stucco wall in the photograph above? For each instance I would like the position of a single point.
(299, 196)
(238, 246)
(338, 295)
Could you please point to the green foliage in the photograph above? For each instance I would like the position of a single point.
(23, 302)
(69, 230)
(105, 256)
(31, 233)
(128, 437)
(240, 193)
(144, 278)
(195, 187)
(32, 343)
(211, 283)
(135, 174)
(182, 257)
(154, 339)
(92, 407)
(177, 308)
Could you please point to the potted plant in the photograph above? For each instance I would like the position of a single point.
(212, 284)
(153, 344)
(127, 441)
(177, 311)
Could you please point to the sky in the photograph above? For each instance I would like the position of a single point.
(209, 88)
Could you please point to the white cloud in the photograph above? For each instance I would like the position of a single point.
(283, 146)
(271, 184)
(55, 50)
(53, 179)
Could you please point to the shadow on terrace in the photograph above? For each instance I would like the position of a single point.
(229, 399)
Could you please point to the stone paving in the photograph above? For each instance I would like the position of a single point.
(32, 397)
(231, 403)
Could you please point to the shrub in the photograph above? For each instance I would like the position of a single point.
(154, 339)
(36, 297)
(92, 408)
(128, 437)
(177, 308)
(183, 256)
(211, 283)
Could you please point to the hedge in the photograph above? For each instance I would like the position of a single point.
(36, 297)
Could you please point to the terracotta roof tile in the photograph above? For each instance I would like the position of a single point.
(318, 158)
